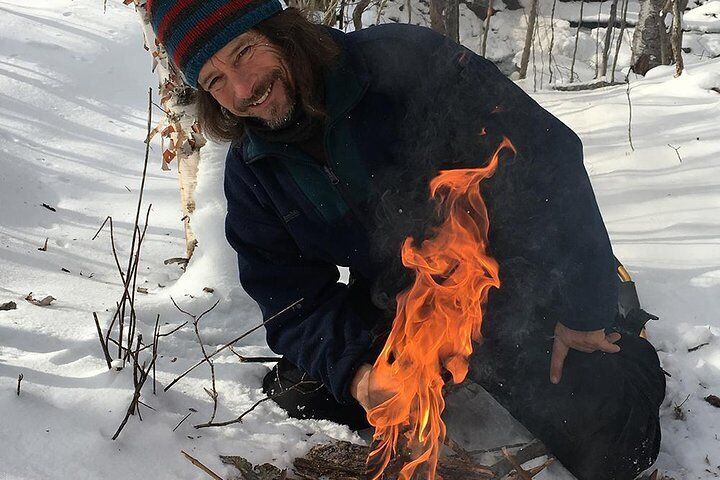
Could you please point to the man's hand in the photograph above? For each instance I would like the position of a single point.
(588, 342)
(366, 390)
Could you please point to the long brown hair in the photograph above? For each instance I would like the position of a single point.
(307, 49)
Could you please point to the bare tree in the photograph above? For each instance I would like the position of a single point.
(577, 38)
(532, 18)
(608, 38)
(676, 34)
(180, 130)
(445, 17)
(623, 24)
(486, 27)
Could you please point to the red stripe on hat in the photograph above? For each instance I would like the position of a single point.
(205, 25)
(170, 17)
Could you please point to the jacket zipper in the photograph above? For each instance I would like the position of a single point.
(335, 181)
(333, 178)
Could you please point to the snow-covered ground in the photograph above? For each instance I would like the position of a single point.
(73, 108)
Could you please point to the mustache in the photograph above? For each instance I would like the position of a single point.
(260, 89)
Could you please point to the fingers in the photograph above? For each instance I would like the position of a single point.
(613, 337)
(608, 344)
(559, 352)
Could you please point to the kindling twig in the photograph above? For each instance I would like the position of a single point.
(521, 473)
(196, 324)
(20, 377)
(192, 410)
(530, 451)
(200, 465)
(103, 344)
(232, 342)
(244, 359)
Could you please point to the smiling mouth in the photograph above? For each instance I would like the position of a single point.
(264, 97)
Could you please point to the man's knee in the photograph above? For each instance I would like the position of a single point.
(616, 421)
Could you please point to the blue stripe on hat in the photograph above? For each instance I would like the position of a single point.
(195, 62)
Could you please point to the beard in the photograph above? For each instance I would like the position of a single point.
(279, 115)
(279, 119)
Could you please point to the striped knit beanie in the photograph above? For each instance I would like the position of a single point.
(192, 31)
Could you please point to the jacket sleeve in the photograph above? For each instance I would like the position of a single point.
(547, 232)
(328, 334)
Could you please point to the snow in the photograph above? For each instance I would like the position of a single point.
(73, 86)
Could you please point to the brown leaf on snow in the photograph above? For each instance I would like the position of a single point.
(8, 306)
(45, 302)
(713, 400)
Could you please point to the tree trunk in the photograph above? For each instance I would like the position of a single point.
(649, 38)
(677, 34)
(608, 39)
(577, 38)
(358, 12)
(486, 28)
(445, 17)
(532, 17)
(179, 127)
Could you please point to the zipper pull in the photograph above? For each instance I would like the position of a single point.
(331, 175)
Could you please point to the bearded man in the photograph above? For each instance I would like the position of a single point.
(335, 137)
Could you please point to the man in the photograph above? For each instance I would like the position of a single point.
(334, 140)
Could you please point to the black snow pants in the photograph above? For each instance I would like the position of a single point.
(601, 421)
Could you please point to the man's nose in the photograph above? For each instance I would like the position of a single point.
(243, 84)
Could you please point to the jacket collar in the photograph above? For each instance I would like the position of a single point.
(344, 85)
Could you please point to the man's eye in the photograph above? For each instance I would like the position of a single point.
(214, 84)
(243, 52)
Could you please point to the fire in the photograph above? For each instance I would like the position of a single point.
(437, 319)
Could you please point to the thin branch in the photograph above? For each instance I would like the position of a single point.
(172, 331)
(258, 403)
(196, 324)
(627, 92)
(183, 419)
(127, 295)
(20, 379)
(135, 399)
(103, 344)
(156, 341)
(244, 359)
(677, 152)
(232, 342)
(180, 309)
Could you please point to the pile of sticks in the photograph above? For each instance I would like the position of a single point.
(347, 461)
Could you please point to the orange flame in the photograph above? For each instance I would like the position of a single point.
(437, 319)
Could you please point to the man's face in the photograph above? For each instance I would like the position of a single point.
(250, 78)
